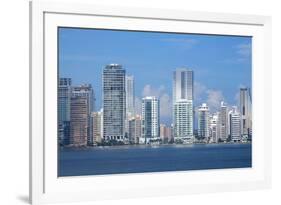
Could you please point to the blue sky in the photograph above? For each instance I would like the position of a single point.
(221, 64)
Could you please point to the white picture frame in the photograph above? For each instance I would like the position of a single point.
(46, 187)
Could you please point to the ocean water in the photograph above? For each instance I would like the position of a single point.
(139, 159)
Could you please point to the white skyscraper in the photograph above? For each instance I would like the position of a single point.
(235, 125)
(246, 112)
(150, 120)
(213, 133)
(130, 100)
(203, 121)
(223, 122)
(183, 120)
(130, 95)
(183, 84)
(183, 112)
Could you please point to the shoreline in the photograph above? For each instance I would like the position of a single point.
(152, 145)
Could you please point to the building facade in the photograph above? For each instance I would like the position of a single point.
(183, 84)
(135, 129)
(235, 125)
(79, 121)
(86, 91)
(183, 120)
(130, 95)
(130, 100)
(223, 123)
(246, 112)
(213, 133)
(64, 97)
(97, 120)
(150, 119)
(114, 103)
(203, 121)
(183, 91)
(165, 133)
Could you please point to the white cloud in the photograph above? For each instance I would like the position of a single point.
(138, 105)
(202, 94)
(165, 105)
(199, 91)
(214, 98)
(148, 90)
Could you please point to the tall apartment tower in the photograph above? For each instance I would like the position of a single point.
(64, 96)
(130, 100)
(85, 91)
(183, 84)
(82, 104)
(150, 119)
(235, 125)
(223, 122)
(213, 133)
(203, 121)
(135, 129)
(130, 95)
(97, 126)
(183, 103)
(246, 112)
(114, 102)
(79, 121)
(183, 119)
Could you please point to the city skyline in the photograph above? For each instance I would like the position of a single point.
(88, 61)
(80, 125)
(135, 102)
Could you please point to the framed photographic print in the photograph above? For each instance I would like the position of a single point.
(129, 102)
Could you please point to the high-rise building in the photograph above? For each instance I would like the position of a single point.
(114, 102)
(203, 121)
(79, 120)
(150, 120)
(183, 84)
(64, 96)
(223, 122)
(135, 129)
(183, 87)
(183, 120)
(165, 133)
(97, 126)
(213, 133)
(130, 100)
(246, 112)
(130, 95)
(235, 125)
(86, 91)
